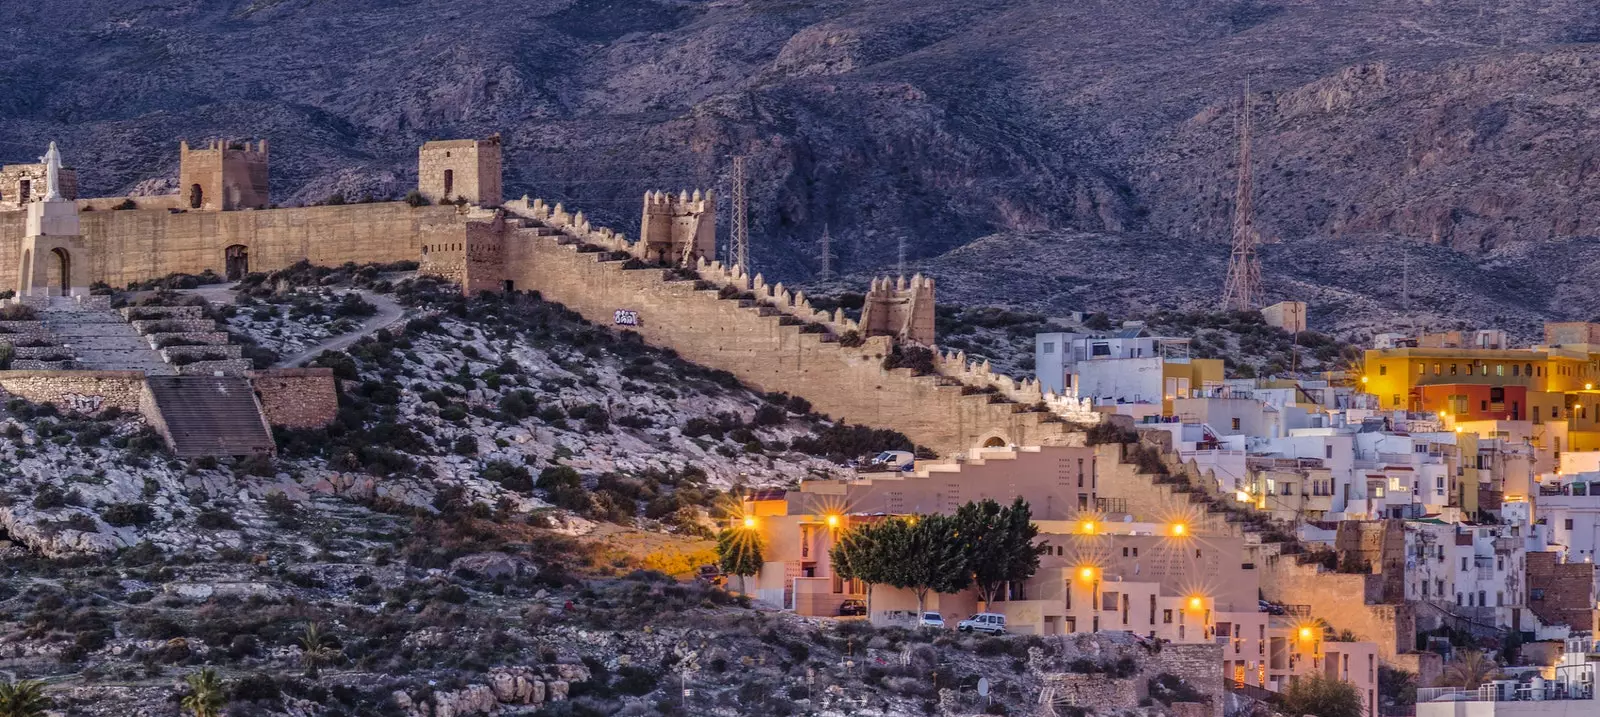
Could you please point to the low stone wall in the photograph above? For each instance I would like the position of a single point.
(213, 338)
(227, 367)
(86, 392)
(169, 325)
(297, 397)
(227, 351)
(36, 365)
(164, 312)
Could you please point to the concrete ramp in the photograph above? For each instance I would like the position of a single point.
(209, 416)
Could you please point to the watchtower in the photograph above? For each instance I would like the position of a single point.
(900, 309)
(466, 169)
(225, 176)
(678, 230)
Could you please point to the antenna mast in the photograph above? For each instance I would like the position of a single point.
(740, 254)
(1243, 288)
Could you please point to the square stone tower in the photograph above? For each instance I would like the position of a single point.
(678, 229)
(900, 309)
(460, 169)
(225, 176)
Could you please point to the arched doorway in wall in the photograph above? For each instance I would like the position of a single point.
(995, 442)
(236, 259)
(61, 274)
(449, 182)
(197, 196)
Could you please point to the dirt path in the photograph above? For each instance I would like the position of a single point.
(389, 313)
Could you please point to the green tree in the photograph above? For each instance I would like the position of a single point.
(1321, 696)
(23, 699)
(855, 556)
(997, 543)
(739, 553)
(205, 697)
(314, 650)
(922, 555)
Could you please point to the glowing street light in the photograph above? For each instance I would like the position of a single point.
(1179, 529)
(1242, 497)
(1195, 603)
(750, 521)
(833, 521)
(1363, 379)
(1086, 573)
(1305, 633)
(1086, 527)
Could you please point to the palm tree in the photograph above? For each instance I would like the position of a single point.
(1469, 670)
(205, 694)
(23, 699)
(314, 650)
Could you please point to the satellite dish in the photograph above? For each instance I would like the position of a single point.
(983, 687)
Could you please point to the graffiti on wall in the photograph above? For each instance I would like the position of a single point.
(79, 403)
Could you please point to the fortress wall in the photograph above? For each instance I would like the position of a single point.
(846, 383)
(141, 244)
(87, 392)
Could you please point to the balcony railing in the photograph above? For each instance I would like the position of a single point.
(1492, 692)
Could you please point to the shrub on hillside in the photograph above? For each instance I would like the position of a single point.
(127, 514)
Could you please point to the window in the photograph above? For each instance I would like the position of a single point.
(1436, 370)
(1463, 562)
(1458, 599)
(1327, 451)
(1383, 370)
(1124, 551)
(1500, 562)
(1108, 601)
(1516, 370)
(1236, 424)
(1424, 588)
(1567, 523)
(1453, 371)
(1438, 482)
(1482, 602)
(1100, 349)
(1499, 598)
(1438, 586)
(1482, 370)
(1136, 552)
(1166, 617)
(1499, 369)
(1049, 347)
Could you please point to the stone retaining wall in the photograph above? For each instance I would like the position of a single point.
(213, 338)
(297, 397)
(145, 326)
(228, 367)
(227, 351)
(86, 392)
(175, 312)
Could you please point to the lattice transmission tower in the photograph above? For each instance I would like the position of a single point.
(827, 254)
(739, 256)
(1243, 288)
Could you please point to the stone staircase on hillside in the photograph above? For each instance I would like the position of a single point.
(98, 338)
(210, 415)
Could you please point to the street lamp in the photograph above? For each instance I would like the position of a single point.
(1086, 527)
(1179, 529)
(750, 522)
(832, 520)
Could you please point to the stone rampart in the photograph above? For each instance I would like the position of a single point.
(773, 355)
(223, 367)
(141, 244)
(87, 392)
(297, 397)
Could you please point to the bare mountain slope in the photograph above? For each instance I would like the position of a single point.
(1458, 123)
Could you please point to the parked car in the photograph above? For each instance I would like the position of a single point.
(932, 619)
(1270, 608)
(991, 622)
(895, 460)
(853, 608)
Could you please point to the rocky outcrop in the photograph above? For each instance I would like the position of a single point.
(504, 686)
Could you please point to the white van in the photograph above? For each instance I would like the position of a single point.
(991, 622)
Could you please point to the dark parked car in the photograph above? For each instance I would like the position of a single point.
(852, 608)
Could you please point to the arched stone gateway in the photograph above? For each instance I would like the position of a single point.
(994, 442)
(60, 281)
(236, 261)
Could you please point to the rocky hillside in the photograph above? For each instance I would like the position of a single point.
(1458, 125)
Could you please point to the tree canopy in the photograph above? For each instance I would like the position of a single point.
(1321, 696)
(997, 543)
(739, 552)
